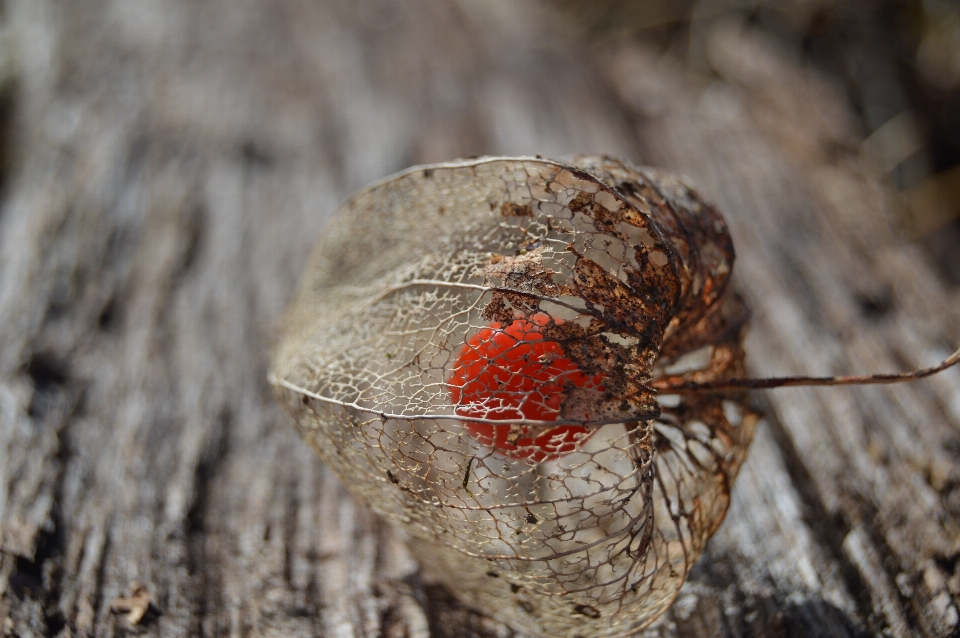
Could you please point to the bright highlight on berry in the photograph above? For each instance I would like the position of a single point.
(514, 373)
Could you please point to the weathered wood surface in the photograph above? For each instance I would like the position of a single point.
(174, 160)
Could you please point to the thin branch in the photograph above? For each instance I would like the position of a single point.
(675, 385)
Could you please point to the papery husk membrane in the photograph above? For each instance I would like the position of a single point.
(631, 267)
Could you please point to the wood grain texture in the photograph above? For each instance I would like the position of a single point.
(174, 161)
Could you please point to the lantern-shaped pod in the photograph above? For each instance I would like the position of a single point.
(471, 349)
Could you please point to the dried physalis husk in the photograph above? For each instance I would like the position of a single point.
(476, 349)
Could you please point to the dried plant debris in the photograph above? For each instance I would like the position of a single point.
(136, 605)
(530, 366)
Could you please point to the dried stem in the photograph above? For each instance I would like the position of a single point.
(674, 385)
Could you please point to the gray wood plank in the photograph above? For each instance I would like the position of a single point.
(174, 163)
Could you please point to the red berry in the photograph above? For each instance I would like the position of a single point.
(513, 373)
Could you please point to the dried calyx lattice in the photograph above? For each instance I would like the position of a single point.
(535, 369)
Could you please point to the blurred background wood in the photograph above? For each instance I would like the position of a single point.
(166, 167)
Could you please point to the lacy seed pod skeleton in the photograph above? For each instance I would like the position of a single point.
(476, 350)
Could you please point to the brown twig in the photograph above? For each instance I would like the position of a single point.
(674, 385)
